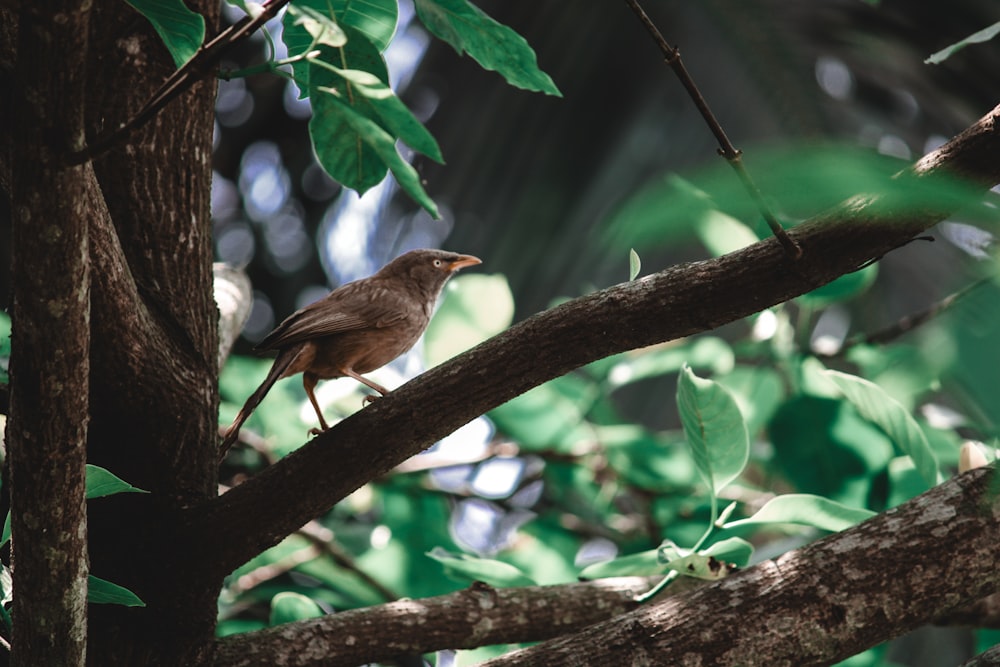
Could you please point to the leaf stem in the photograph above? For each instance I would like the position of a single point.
(734, 156)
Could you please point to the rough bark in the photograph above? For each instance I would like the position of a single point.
(46, 443)
(478, 616)
(812, 606)
(816, 605)
(135, 222)
(680, 301)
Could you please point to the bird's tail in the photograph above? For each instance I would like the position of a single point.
(280, 365)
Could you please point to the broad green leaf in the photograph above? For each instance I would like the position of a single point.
(714, 428)
(984, 35)
(889, 415)
(494, 46)
(101, 482)
(474, 308)
(758, 391)
(844, 288)
(634, 264)
(702, 352)
(492, 572)
(723, 234)
(342, 151)
(804, 509)
(375, 19)
(374, 99)
(101, 591)
(287, 607)
(550, 416)
(369, 134)
(181, 29)
(643, 564)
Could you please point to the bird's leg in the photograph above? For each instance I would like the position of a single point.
(309, 382)
(363, 380)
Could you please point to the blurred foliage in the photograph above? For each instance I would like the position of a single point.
(738, 444)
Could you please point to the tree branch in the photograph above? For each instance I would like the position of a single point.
(477, 616)
(680, 301)
(816, 605)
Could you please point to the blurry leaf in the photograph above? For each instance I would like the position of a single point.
(6, 530)
(883, 410)
(658, 213)
(101, 482)
(700, 352)
(905, 481)
(641, 564)
(288, 607)
(181, 29)
(714, 428)
(805, 510)
(650, 462)
(758, 392)
(732, 550)
(474, 307)
(550, 416)
(319, 27)
(492, 572)
(984, 35)
(545, 550)
(634, 264)
(903, 371)
(722, 234)
(375, 19)
(844, 288)
(822, 446)
(100, 591)
(494, 46)
(703, 565)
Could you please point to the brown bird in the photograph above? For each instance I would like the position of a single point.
(356, 328)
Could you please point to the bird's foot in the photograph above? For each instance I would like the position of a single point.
(317, 431)
(370, 398)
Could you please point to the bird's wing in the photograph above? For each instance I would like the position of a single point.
(353, 307)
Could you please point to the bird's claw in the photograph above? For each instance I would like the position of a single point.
(370, 398)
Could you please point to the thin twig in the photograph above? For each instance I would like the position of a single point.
(911, 322)
(194, 69)
(734, 156)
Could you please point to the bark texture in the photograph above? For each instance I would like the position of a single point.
(51, 337)
(816, 605)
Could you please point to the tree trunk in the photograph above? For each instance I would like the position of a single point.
(135, 222)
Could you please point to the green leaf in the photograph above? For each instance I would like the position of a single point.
(181, 29)
(100, 591)
(844, 288)
(642, 564)
(375, 100)
(984, 35)
(494, 46)
(804, 509)
(714, 428)
(101, 482)
(703, 352)
(634, 264)
(888, 414)
(474, 308)
(375, 19)
(713, 563)
(6, 530)
(287, 607)
(722, 233)
(492, 572)
(550, 416)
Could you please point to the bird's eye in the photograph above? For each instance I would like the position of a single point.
(437, 262)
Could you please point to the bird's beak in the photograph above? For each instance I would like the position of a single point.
(463, 261)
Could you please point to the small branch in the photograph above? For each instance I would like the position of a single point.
(733, 155)
(203, 60)
(911, 322)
